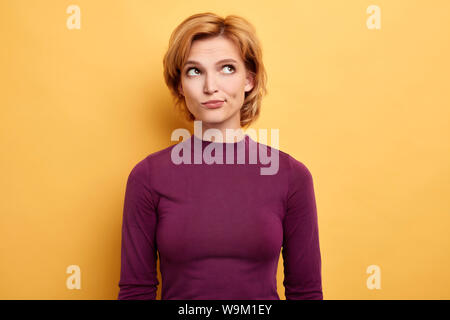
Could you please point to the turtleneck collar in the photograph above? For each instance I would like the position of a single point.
(206, 142)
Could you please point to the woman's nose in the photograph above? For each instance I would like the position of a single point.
(210, 84)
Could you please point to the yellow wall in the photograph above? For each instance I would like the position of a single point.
(366, 110)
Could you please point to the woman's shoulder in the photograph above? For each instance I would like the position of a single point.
(298, 173)
(297, 165)
(287, 160)
(160, 155)
(153, 161)
(292, 165)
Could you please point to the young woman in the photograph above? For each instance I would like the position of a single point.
(218, 227)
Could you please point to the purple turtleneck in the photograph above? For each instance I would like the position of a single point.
(219, 228)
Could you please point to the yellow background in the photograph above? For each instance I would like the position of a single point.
(367, 111)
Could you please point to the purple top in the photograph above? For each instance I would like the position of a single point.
(219, 228)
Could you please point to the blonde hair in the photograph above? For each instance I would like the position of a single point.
(207, 25)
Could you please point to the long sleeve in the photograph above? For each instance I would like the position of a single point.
(301, 250)
(138, 275)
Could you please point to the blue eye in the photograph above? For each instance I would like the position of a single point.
(227, 65)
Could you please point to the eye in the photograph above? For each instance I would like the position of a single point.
(231, 66)
(226, 65)
(187, 72)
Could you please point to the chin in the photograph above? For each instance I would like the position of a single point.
(213, 118)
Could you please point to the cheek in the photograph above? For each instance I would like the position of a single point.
(233, 88)
(191, 90)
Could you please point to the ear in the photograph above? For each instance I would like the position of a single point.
(180, 89)
(250, 81)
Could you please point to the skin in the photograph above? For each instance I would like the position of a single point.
(209, 80)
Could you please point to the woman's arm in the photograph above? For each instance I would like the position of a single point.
(138, 276)
(301, 251)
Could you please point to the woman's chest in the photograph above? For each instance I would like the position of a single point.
(231, 217)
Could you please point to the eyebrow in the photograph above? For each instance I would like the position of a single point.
(193, 62)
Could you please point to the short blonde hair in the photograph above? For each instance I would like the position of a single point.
(207, 25)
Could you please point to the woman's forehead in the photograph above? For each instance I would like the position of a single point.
(217, 46)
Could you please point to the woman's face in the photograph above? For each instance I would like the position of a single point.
(205, 76)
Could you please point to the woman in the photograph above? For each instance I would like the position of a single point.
(218, 227)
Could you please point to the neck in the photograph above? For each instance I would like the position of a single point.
(219, 134)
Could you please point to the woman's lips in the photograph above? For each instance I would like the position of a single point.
(213, 105)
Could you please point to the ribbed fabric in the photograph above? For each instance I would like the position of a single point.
(219, 228)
